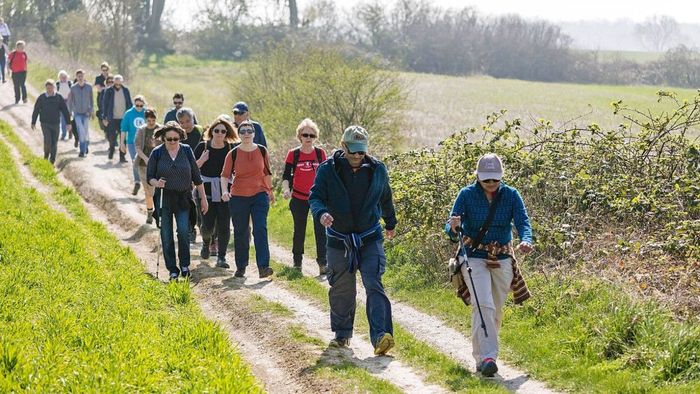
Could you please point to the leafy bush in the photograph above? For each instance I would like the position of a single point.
(633, 190)
(287, 84)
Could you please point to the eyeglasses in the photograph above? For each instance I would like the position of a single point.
(238, 113)
(104, 70)
(177, 102)
(172, 139)
(219, 131)
(306, 135)
(138, 106)
(358, 153)
(491, 180)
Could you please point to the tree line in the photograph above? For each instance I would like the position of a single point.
(412, 35)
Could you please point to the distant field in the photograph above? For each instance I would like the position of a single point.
(440, 105)
(437, 105)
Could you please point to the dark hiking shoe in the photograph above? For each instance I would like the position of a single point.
(122, 157)
(297, 266)
(266, 272)
(204, 253)
(75, 143)
(240, 273)
(385, 343)
(137, 186)
(173, 276)
(25, 101)
(322, 270)
(185, 272)
(339, 342)
(488, 367)
(81, 154)
(149, 216)
(110, 155)
(213, 249)
(193, 235)
(221, 263)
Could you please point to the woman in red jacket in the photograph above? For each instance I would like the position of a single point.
(17, 61)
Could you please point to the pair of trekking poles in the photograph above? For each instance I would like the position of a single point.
(463, 251)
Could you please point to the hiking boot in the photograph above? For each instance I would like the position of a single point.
(385, 343)
(81, 154)
(24, 100)
(339, 342)
(173, 276)
(322, 269)
(137, 186)
(122, 157)
(213, 249)
(185, 272)
(240, 273)
(149, 216)
(265, 272)
(193, 235)
(221, 263)
(75, 143)
(204, 253)
(488, 367)
(297, 266)
(110, 154)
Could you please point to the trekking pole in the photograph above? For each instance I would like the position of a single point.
(160, 218)
(471, 280)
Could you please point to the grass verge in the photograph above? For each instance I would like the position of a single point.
(78, 314)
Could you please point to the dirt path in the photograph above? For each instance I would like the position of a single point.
(281, 365)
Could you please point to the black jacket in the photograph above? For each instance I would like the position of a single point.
(48, 109)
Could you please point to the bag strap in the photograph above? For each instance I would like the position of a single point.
(485, 227)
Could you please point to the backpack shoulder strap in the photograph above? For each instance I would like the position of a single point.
(319, 157)
(263, 152)
(295, 160)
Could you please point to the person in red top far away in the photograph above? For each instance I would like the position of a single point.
(298, 177)
(17, 62)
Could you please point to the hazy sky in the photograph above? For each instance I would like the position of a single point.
(687, 11)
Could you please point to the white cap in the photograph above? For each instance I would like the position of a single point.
(489, 166)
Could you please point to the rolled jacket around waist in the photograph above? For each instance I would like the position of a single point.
(353, 242)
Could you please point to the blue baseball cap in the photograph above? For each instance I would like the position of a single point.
(240, 107)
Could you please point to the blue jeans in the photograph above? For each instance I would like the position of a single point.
(134, 167)
(343, 291)
(182, 220)
(82, 121)
(64, 131)
(242, 210)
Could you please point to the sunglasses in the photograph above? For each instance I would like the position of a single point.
(104, 70)
(172, 139)
(219, 131)
(238, 113)
(246, 131)
(358, 153)
(306, 135)
(138, 106)
(177, 102)
(491, 180)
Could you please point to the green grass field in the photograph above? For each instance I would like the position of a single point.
(78, 313)
(440, 105)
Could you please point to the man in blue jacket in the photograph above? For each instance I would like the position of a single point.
(350, 193)
(116, 100)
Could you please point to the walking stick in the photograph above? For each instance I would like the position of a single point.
(471, 280)
(160, 217)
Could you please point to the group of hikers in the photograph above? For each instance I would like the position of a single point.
(216, 176)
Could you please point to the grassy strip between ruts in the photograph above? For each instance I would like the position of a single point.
(575, 333)
(351, 377)
(78, 314)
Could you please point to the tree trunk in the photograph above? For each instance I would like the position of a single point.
(293, 14)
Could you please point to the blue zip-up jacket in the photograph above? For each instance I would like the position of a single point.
(132, 121)
(471, 204)
(328, 194)
(108, 102)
